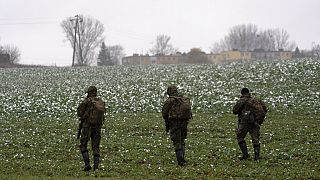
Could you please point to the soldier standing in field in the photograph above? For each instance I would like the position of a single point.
(251, 113)
(91, 113)
(176, 112)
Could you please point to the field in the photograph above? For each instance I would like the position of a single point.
(39, 124)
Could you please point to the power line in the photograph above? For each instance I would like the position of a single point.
(29, 18)
(28, 23)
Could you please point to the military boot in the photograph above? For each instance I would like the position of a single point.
(244, 150)
(86, 160)
(184, 152)
(96, 161)
(256, 152)
(180, 159)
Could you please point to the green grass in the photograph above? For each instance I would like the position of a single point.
(135, 146)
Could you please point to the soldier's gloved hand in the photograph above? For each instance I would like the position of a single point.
(167, 126)
(167, 129)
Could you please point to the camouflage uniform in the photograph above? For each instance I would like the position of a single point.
(244, 127)
(177, 127)
(88, 131)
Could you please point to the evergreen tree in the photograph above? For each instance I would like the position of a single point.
(104, 58)
(297, 53)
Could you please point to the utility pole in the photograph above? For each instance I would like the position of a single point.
(75, 37)
(77, 19)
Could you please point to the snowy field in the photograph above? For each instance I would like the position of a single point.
(285, 86)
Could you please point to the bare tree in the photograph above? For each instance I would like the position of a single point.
(315, 50)
(116, 53)
(281, 38)
(242, 37)
(162, 46)
(219, 47)
(265, 40)
(12, 51)
(89, 37)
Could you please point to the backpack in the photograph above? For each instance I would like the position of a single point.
(181, 108)
(97, 110)
(253, 111)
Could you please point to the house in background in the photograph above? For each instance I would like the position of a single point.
(234, 55)
(137, 59)
(269, 55)
(4, 60)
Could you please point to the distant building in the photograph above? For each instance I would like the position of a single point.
(218, 58)
(4, 59)
(268, 55)
(235, 55)
(137, 59)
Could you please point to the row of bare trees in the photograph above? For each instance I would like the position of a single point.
(241, 37)
(90, 37)
(248, 37)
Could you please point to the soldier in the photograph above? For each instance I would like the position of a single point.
(176, 121)
(91, 120)
(251, 113)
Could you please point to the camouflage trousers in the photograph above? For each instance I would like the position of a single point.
(93, 133)
(244, 128)
(178, 133)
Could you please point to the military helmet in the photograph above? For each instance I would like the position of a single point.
(92, 90)
(244, 91)
(172, 89)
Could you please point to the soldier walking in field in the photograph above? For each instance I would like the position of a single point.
(91, 114)
(251, 113)
(176, 112)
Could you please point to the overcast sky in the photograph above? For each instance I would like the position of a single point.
(34, 25)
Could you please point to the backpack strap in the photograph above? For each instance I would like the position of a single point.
(175, 97)
(91, 104)
(246, 101)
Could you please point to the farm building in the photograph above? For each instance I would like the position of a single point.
(218, 58)
(4, 60)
